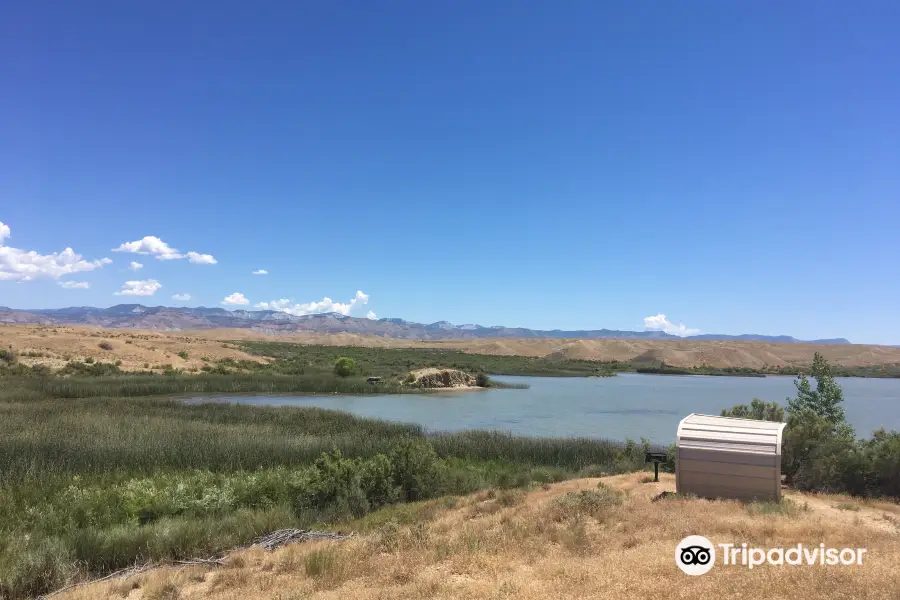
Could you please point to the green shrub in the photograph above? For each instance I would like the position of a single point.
(377, 481)
(183, 354)
(89, 368)
(884, 453)
(482, 380)
(417, 472)
(759, 410)
(344, 367)
(335, 491)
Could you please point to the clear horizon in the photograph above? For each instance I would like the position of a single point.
(705, 168)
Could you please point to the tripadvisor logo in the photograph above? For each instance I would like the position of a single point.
(696, 555)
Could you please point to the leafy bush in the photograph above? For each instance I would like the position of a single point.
(335, 490)
(344, 367)
(340, 487)
(884, 453)
(669, 465)
(89, 368)
(377, 481)
(759, 410)
(482, 380)
(104, 345)
(183, 354)
(416, 470)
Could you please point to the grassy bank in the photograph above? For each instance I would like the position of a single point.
(96, 483)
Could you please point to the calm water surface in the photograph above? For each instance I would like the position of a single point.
(628, 405)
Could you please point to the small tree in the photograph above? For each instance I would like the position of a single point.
(820, 450)
(344, 367)
(825, 400)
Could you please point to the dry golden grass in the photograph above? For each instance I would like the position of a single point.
(513, 545)
(59, 345)
(136, 348)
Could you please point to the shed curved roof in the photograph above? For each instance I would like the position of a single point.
(730, 434)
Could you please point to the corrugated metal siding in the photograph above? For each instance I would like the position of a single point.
(729, 458)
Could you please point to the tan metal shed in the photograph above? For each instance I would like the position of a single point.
(726, 457)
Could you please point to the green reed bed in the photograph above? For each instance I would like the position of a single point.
(122, 386)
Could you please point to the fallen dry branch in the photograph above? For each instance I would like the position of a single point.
(270, 541)
(279, 538)
(208, 562)
(122, 574)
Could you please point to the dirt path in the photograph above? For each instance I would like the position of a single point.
(842, 509)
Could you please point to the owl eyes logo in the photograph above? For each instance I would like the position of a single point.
(695, 555)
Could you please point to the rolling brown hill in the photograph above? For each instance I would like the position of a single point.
(54, 345)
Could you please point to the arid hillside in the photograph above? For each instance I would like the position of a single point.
(566, 540)
(55, 345)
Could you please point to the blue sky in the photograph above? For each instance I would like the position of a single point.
(731, 165)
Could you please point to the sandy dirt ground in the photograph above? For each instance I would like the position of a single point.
(513, 544)
(136, 348)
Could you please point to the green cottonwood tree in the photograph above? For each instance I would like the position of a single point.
(825, 400)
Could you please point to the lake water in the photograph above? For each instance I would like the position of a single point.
(628, 405)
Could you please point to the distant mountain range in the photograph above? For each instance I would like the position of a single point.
(137, 316)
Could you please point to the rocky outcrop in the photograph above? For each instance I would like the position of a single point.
(441, 378)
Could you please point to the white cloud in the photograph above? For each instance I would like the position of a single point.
(26, 265)
(75, 285)
(201, 259)
(151, 245)
(181, 297)
(371, 315)
(661, 323)
(326, 305)
(273, 305)
(261, 272)
(235, 299)
(135, 266)
(147, 287)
